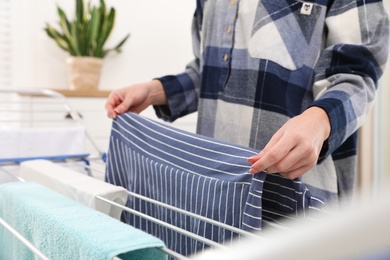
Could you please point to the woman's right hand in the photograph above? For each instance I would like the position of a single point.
(135, 98)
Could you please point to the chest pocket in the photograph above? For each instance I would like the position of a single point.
(287, 32)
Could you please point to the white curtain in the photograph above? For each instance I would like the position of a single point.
(5, 44)
(374, 140)
(383, 126)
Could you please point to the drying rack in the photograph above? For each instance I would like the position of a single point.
(323, 240)
(33, 108)
(244, 241)
(27, 108)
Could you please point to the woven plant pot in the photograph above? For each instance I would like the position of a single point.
(84, 73)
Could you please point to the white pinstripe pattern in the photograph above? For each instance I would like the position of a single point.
(195, 164)
(197, 174)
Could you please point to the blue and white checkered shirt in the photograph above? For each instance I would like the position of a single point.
(261, 62)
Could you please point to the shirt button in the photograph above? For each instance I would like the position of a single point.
(225, 57)
(228, 29)
(233, 2)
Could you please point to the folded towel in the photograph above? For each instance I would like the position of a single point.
(75, 185)
(64, 229)
(41, 142)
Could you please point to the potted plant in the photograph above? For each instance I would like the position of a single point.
(84, 38)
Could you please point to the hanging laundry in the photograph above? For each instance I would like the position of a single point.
(198, 174)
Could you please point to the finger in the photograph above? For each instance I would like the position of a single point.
(124, 106)
(297, 157)
(111, 103)
(303, 155)
(291, 161)
(111, 112)
(271, 157)
(297, 172)
(111, 116)
(254, 158)
(275, 138)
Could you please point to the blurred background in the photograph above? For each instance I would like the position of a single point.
(160, 44)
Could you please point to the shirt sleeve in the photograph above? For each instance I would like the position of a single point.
(353, 60)
(182, 89)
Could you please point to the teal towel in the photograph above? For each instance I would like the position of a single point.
(64, 229)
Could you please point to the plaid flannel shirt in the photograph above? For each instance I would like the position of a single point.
(259, 63)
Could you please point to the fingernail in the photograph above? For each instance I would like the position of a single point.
(111, 116)
(252, 171)
(116, 110)
(251, 158)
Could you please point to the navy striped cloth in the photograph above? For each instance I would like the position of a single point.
(200, 175)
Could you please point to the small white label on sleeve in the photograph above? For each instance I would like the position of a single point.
(306, 8)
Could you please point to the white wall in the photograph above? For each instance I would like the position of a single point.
(382, 130)
(374, 139)
(160, 42)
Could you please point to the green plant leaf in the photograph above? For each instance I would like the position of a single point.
(88, 32)
(117, 48)
(80, 10)
(64, 22)
(75, 39)
(66, 30)
(53, 33)
(93, 29)
(81, 18)
(106, 31)
(47, 29)
(122, 42)
(103, 8)
(84, 47)
(59, 39)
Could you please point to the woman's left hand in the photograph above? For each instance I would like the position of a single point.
(294, 149)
